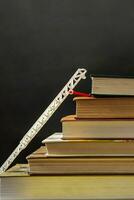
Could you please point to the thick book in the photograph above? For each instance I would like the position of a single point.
(57, 146)
(92, 107)
(41, 164)
(108, 85)
(16, 186)
(76, 128)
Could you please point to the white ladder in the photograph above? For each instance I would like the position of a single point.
(78, 75)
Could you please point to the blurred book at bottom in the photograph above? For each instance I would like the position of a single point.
(17, 184)
(39, 163)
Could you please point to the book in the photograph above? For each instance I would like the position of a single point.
(76, 128)
(15, 185)
(108, 85)
(57, 146)
(91, 107)
(41, 164)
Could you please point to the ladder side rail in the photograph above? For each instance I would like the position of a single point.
(41, 121)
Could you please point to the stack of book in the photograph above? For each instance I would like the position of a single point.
(98, 138)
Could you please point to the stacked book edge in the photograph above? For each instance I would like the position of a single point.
(98, 138)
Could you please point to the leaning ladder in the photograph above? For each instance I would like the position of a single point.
(41, 121)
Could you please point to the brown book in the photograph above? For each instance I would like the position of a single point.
(57, 146)
(108, 85)
(41, 164)
(91, 107)
(76, 128)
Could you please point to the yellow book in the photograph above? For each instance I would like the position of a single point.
(18, 184)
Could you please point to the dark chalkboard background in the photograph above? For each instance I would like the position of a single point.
(42, 43)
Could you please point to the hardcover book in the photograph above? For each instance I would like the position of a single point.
(112, 85)
(16, 185)
(42, 164)
(117, 107)
(57, 146)
(76, 128)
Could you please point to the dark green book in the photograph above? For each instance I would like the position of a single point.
(112, 85)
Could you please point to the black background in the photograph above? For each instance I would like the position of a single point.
(42, 43)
